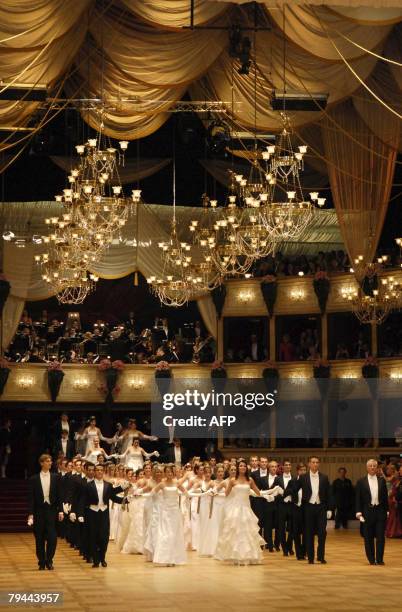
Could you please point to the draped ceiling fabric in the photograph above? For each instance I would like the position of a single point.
(138, 56)
(132, 170)
(360, 178)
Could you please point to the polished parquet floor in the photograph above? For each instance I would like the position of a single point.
(128, 584)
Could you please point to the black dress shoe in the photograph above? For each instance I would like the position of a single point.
(380, 563)
(41, 566)
(372, 562)
(301, 559)
(103, 564)
(95, 564)
(49, 565)
(322, 561)
(278, 548)
(291, 553)
(286, 554)
(311, 562)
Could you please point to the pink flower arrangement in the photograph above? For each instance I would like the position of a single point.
(268, 278)
(321, 275)
(117, 364)
(217, 364)
(104, 389)
(321, 363)
(162, 366)
(54, 365)
(107, 364)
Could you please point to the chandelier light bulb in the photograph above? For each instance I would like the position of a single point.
(321, 201)
(92, 142)
(302, 149)
(123, 145)
(271, 149)
(314, 195)
(214, 203)
(291, 195)
(80, 149)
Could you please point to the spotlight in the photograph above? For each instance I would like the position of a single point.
(218, 137)
(298, 101)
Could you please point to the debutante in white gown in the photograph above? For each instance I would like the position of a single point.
(114, 515)
(195, 506)
(152, 530)
(239, 540)
(211, 513)
(134, 460)
(169, 548)
(134, 543)
(184, 503)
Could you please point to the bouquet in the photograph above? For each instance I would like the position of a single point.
(163, 370)
(112, 370)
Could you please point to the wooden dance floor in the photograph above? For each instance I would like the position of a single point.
(346, 584)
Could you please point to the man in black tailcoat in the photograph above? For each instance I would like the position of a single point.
(372, 511)
(96, 497)
(45, 508)
(317, 504)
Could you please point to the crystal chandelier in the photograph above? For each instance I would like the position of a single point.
(372, 305)
(287, 213)
(362, 270)
(94, 211)
(175, 286)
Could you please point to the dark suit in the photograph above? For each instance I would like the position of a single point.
(375, 517)
(342, 493)
(45, 516)
(98, 521)
(284, 511)
(58, 448)
(315, 515)
(298, 531)
(170, 454)
(267, 511)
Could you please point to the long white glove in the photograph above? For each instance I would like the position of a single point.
(329, 514)
(66, 508)
(360, 517)
(30, 520)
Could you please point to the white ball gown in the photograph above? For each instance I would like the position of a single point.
(239, 540)
(152, 529)
(169, 547)
(134, 542)
(211, 513)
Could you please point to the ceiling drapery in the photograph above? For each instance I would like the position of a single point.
(136, 55)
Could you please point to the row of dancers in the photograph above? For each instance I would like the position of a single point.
(164, 510)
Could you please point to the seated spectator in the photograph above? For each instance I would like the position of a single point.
(286, 349)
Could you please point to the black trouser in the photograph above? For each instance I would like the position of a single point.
(257, 506)
(44, 528)
(341, 517)
(269, 523)
(298, 530)
(374, 534)
(98, 523)
(285, 525)
(315, 521)
(85, 546)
